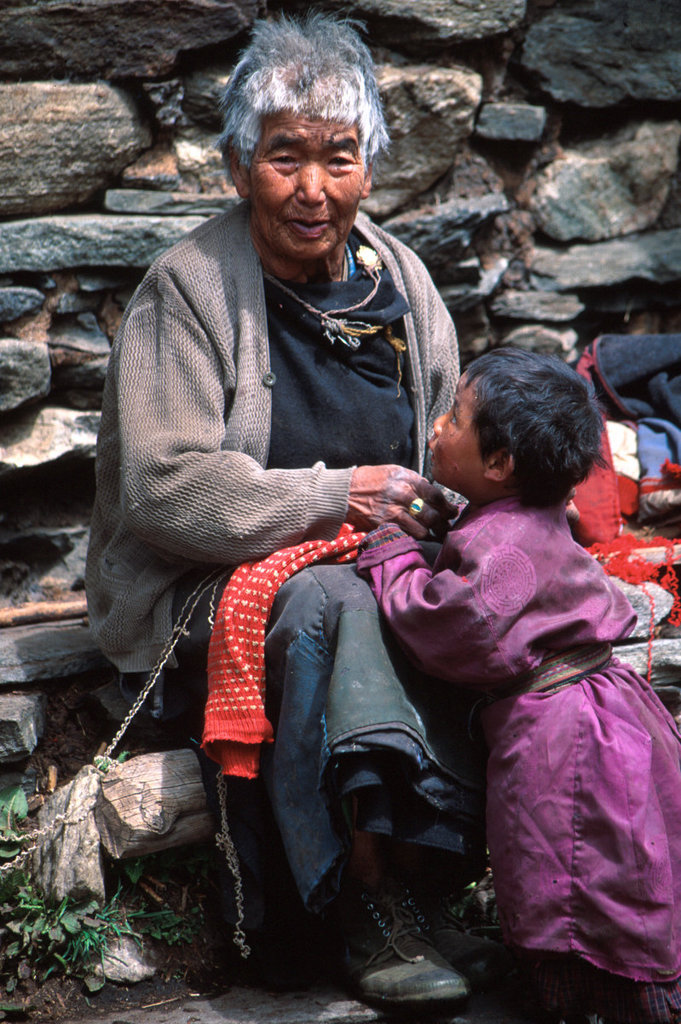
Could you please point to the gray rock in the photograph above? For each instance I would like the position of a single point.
(137, 200)
(60, 38)
(600, 54)
(553, 307)
(68, 861)
(55, 555)
(110, 699)
(26, 779)
(60, 143)
(15, 301)
(126, 963)
(166, 97)
(37, 437)
(98, 281)
(431, 21)
(644, 600)
(203, 91)
(71, 241)
(460, 297)
(81, 333)
(429, 110)
(615, 186)
(538, 338)
(78, 302)
(22, 722)
(666, 660)
(87, 375)
(24, 371)
(515, 122)
(654, 257)
(53, 650)
(199, 161)
(441, 234)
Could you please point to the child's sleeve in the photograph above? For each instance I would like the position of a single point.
(435, 615)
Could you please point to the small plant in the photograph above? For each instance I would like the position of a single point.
(41, 938)
(45, 937)
(13, 810)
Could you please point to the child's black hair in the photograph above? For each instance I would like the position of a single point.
(543, 413)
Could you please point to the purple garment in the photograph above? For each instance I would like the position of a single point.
(584, 784)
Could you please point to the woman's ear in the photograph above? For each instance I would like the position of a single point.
(240, 175)
(499, 466)
(366, 189)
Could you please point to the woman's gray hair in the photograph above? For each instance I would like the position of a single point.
(315, 66)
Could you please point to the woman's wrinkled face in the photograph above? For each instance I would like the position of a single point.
(305, 184)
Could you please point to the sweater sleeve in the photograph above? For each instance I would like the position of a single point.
(185, 487)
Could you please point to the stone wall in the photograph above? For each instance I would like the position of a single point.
(534, 166)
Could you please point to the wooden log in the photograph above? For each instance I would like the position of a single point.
(44, 611)
(153, 802)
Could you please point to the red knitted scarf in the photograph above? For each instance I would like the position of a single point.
(235, 722)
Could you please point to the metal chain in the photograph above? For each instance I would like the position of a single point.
(37, 834)
(104, 761)
(225, 843)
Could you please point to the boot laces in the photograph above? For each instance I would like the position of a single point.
(403, 935)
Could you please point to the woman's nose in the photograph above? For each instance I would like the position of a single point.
(310, 183)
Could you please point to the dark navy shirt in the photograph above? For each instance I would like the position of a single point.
(330, 403)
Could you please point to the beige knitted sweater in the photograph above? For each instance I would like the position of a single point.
(185, 431)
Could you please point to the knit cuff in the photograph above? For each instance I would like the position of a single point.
(383, 534)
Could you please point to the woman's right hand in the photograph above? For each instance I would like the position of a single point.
(383, 494)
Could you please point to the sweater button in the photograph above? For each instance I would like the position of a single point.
(270, 379)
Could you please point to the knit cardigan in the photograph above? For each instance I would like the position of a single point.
(185, 431)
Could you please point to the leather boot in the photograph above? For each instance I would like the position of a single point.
(389, 961)
(482, 961)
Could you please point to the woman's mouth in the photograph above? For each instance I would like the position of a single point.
(309, 228)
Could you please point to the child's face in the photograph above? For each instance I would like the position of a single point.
(455, 448)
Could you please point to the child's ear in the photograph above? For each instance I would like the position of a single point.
(499, 466)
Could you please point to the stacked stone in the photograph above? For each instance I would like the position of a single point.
(534, 166)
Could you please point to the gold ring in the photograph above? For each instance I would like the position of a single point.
(416, 507)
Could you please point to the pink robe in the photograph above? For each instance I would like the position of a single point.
(584, 784)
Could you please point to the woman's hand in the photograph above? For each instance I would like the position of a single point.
(383, 494)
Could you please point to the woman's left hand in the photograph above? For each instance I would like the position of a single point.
(393, 494)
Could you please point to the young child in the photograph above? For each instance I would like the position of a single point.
(584, 775)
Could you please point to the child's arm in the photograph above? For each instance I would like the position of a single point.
(435, 615)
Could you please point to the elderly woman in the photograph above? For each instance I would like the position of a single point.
(276, 376)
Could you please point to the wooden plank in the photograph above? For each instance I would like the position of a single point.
(44, 611)
(153, 802)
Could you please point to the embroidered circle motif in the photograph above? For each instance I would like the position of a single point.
(508, 580)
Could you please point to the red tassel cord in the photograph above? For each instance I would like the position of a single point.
(618, 557)
(671, 472)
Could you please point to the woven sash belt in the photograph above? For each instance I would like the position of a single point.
(559, 670)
